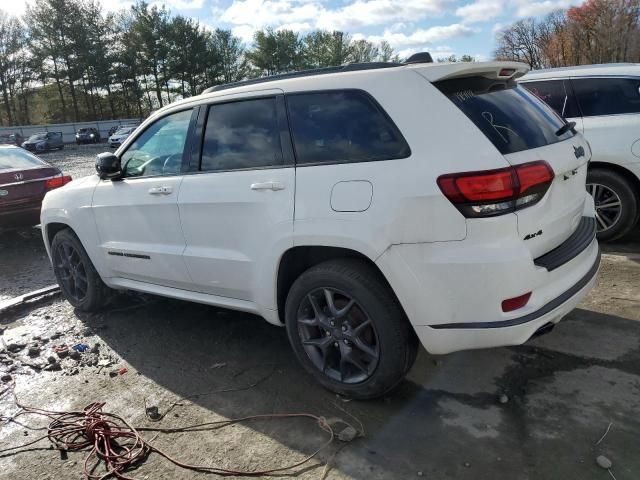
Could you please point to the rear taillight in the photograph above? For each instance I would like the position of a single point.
(58, 181)
(495, 192)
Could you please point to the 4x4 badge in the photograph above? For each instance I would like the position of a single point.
(578, 151)
(533, 235)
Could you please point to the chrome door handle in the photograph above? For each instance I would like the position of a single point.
(163, 190)
(268, 186)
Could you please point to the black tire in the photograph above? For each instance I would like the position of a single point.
(395, 342)
(88, 295)
(627, 218)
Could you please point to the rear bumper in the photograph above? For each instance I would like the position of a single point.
(452, 291)
(25, 216)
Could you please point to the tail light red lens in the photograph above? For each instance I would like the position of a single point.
(511, 304)
(58, 181)
(495, 192)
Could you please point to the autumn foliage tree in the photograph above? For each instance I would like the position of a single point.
(599, 31)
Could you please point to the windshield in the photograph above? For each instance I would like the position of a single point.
(509, 116)
(37, 136)
(123, 131)
(11, 158)
(84, 130)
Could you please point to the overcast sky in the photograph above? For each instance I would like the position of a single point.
(443, 27)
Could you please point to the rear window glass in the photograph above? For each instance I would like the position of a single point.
(607, 96)
(512, 118)
(342, 126)
(11, 158)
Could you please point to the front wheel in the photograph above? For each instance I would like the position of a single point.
(78, 279)
(615, 201)
(348, 330)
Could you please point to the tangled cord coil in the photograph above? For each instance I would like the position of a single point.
(112, 440)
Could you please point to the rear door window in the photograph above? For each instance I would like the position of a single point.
(511, 117)
(557, 94)
(607, 96)
(342, 126)
(242, 135)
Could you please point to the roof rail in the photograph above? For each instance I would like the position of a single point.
(352, 67)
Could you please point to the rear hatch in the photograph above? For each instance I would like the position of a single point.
(525, 130)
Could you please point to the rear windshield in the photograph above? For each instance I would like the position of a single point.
(11, 158)
(510, 117)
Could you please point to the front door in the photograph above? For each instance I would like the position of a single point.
(237, 208)
(137, 216)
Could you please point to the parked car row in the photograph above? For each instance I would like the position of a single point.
(365, 208)
(604, 103)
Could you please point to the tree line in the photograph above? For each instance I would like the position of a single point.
(68, 60)
(598, 31)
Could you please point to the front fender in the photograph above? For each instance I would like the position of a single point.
(71, 205)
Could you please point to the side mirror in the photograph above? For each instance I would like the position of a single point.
(108, 166)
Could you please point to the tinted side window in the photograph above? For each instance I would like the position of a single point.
(557, 94)
(242, 134)
(345, 126)
(158, 150)
(607, 96)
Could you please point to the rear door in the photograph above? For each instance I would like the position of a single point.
(611, 114)
(524, 129)
(137, 216)
(236, 206)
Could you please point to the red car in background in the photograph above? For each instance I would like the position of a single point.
(24, 181)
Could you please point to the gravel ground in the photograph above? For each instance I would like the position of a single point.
(535, 411)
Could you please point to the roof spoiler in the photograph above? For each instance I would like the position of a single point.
(496, 70)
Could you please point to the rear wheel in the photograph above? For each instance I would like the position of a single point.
(76, 275)
(348, 330)
(615, 201)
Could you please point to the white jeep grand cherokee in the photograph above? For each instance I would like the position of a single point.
(364, 207)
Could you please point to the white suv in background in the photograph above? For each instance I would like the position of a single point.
(604, 102)
(364, 207)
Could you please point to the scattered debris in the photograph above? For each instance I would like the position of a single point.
(33, 351)
(53, 367)
(15, 347)
(51, 359)
(113, 373)
(504, 399)
(75, 355)
(605, 434)
(6, 378)
(61, 350)
(95, 348)
(604, 462)
(81, 347)
(347, 434)
(153, 413)
(420, 473)
(219, 365)
(122, 371)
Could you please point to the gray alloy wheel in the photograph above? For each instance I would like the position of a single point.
(608, 206)
(70, 269)
(338, 336)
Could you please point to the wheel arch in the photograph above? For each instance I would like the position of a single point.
(298, 259)
(628, 174)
